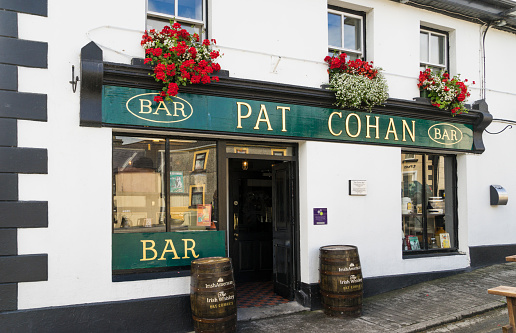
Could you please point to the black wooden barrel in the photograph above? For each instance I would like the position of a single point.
(341, 280)
(212, 295)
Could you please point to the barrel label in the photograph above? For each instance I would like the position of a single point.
(352, 267)
(352, 279)
(222, 299)
(220, 305)
(220, 283)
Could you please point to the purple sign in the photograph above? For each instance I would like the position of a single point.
(320, 216)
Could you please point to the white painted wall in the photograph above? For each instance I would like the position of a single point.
(252, 36)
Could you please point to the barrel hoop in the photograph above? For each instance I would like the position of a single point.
(214, 321)
(339, 260)
(343, 308)
(347, 296)
(341, 273)
(215, 289)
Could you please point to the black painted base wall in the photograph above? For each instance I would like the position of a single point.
(490, 254)
(163, 314)
(310, 296)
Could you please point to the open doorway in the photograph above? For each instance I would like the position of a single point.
(261, 196)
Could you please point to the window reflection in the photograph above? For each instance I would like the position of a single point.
(426, 191)
(141, 182)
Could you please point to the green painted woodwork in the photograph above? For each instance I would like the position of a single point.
(165, 249)
(132, 106)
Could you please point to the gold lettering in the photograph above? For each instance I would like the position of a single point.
(437, 133)
(376, 126)
(240, 116)
(283, 122)
(172, 249)
(329, 123)
(145, 103)
(445, 135)
(359, 124)
(145, 249)
(412, 133)
(263, 111)
(162, 106)
(181, 108)
(454, 135)
(391, 129)
(192, 248)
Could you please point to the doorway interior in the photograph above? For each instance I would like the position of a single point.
(261, 224)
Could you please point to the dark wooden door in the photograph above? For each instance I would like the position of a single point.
(283, 223)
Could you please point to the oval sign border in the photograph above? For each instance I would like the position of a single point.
(446, 144)
(158, 121)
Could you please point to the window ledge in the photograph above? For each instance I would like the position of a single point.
(151, 275)
(432, 254)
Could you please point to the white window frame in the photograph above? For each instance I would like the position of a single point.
(179, 19)
(428, 64)
(360, 53)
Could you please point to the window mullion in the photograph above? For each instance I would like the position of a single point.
(167, 185)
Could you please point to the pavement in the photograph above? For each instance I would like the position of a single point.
(413, 309)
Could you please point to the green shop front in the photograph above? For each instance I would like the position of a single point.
(216, 171)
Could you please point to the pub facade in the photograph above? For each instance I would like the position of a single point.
(110, 193)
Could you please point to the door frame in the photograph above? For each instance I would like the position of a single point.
(223, 188)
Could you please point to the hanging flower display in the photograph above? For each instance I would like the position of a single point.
(179, 58)
(356, 83)
(444, 92)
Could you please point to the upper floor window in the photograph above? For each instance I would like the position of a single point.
(190, 13)
(433, 48)
(345, 33)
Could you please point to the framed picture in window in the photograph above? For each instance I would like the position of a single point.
(200, 160)
(278, 152)
(241, 150)
(176, 182)
(196, 195)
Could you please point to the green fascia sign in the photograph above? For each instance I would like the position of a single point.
(133, 106)
(165, 249)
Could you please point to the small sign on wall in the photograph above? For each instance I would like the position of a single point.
(320, 216)
(358, 187)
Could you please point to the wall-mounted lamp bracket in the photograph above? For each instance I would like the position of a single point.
(74, 80)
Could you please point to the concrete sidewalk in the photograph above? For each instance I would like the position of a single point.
(411, 309)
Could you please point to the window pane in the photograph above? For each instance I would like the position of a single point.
(138, 183)
(193, 185)
(437, 49)
(352, 32)
(334, 30)
(190, 9)
(423, 47)
(427, 201)
(412, 196)
(162, 6)
(158, 24)
(259, 150)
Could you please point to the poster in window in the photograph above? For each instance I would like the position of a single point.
(204, 215)
(412, 242)
(176, 182)
(444, 240)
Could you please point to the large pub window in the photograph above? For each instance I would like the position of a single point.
(428, 204)
(164, 185)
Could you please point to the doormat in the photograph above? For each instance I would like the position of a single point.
(257, 294)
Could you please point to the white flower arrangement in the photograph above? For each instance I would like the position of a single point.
(356, 83)
(357, 91)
